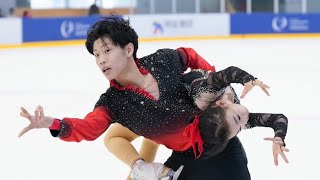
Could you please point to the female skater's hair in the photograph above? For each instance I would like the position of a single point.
(116, 29)
(214, 130)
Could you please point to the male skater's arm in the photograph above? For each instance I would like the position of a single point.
(191, 59)
(89, 128)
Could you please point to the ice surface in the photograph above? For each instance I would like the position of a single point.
(66, 81)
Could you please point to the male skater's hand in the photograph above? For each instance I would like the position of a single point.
(39, 120)
(278, 148)
(249, 85)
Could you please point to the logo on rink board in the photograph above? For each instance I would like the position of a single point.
(279, 23)
(157, 27)
(66, 28)
(258, 23)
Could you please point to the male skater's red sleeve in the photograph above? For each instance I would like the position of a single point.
(193, 60)
(89, 128)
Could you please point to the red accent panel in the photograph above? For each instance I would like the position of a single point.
(194, 60)
(91, 127)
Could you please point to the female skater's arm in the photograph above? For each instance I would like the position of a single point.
(279, 123)
(209, 85)
(216, 81)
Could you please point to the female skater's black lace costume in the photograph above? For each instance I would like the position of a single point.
(206, 87)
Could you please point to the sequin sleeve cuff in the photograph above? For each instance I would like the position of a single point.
(65, 130)
(282, 136)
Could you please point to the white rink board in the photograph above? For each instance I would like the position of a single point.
(181, 25)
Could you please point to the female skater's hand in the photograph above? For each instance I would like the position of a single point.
(39, 120)
(278, 148)
(249, 85)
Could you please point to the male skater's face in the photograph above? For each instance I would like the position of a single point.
(112, 60)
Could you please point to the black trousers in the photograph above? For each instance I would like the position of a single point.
(230, 164)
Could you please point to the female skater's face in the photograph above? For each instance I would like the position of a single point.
(236, 114)
(112, 60)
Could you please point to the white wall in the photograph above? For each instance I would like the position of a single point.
(11, 31)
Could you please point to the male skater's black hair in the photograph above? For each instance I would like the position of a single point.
(115, 28)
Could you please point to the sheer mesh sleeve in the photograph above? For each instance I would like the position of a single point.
(215, 82)
(230, 75)
(278, 122)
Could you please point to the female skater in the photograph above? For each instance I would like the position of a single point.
(221, 120)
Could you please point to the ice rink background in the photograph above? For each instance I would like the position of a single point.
(66, 81)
